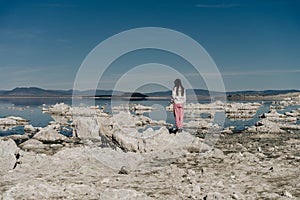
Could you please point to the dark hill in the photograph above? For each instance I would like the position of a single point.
(38, 92)
(32, 92)
(124, 95)
(264, 92)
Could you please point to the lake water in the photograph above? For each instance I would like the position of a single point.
(31, 109)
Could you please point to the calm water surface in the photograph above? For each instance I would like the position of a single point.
(31, 109)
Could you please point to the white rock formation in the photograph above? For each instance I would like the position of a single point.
(13, 121)
(142, 107)
(274, 116)
(232, 110)
(29, 128)
(86, 127)
(266, 126)
(155, 141)
(8, 152)
(50, 134)
(124, 194)
(60, 109)
(32, 144)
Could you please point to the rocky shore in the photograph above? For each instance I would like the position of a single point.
(122, 156)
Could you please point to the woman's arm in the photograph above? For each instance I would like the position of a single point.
(173, 95)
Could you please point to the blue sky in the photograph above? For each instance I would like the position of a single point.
(255, 44)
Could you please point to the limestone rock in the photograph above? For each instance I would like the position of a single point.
(266, 126)
(86, 127)
(13, 121)
(60, 109)
(29, 128)
(123, 170)
(213, 196)
(124, 194)
(8, 152)
(49, 134)
(32, 144)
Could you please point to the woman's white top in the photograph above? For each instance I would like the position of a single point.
(178, 98)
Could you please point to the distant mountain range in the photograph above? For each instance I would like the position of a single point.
(264, 92)
(38, 92)
(31, 91)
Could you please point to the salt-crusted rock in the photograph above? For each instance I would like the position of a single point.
(141, 107)
(60, 109)
(86, 127)
(63, 120)
(227, 130)
(201, 125)
(126, 120)
(124, 194)
(241, 110)
(287, 194)
(112, 159)
(18, 119)
(17, 138)
(8, 152)
(13, 121)
(236, 196)
(50, 134)
(124, 170)
(217, 153)
(126, 142)
(105, 126)
(213, 195)
(232, 110)
(87, 112)
(292, 113)
(266, 126)
(290, 126)
(32, 144)
(155, 140)
(29, 128)
(273, 115)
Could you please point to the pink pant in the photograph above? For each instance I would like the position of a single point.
(178, 113)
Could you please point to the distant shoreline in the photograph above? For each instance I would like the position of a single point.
(193, 94)
(36, 97)
(81, 97)
(259, 97)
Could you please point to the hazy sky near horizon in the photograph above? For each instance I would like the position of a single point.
(255, 44)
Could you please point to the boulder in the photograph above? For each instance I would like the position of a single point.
(87, 112)
(60, 109)
(13, 121)
(273, 115)
(227, 130)
(32, 144)
(155, 140)
(86, 127)
(125, 120)
(8, 153)
(213, 195)
(49, 134)
(105, 126)
(141, 107)
(18, 138)
(266, 126)
(29, 128)
(126, 142)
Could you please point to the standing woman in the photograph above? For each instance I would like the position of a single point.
(178, 99)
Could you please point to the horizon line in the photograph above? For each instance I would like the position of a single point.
(238, 90)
